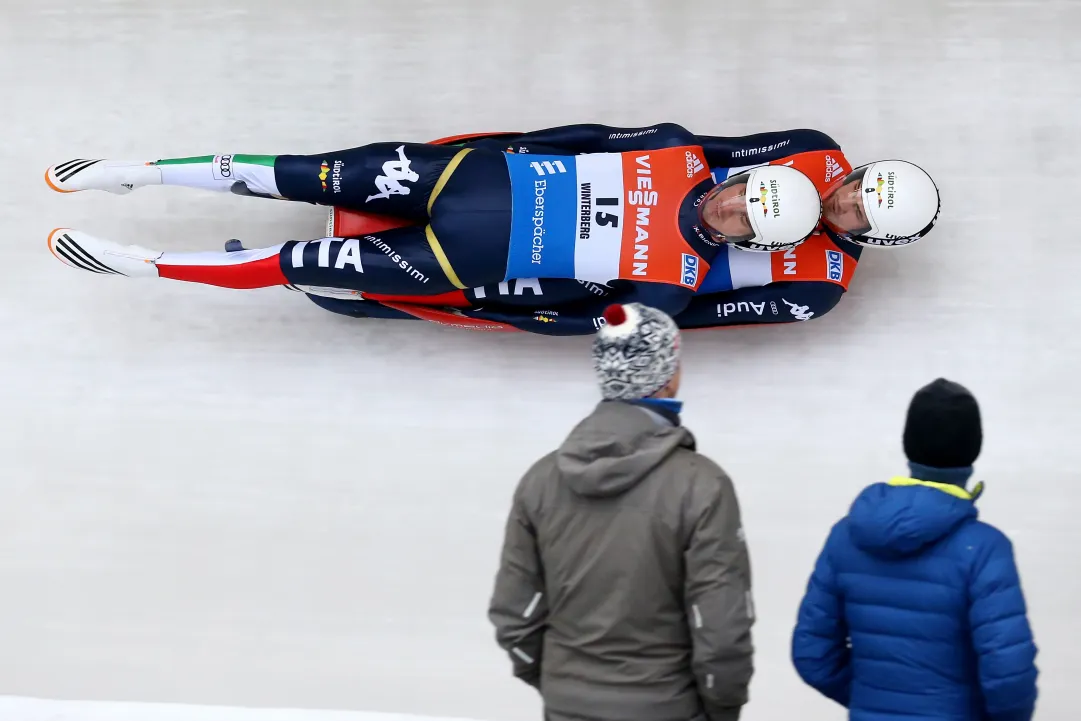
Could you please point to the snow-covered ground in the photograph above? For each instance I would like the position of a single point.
(235, 498)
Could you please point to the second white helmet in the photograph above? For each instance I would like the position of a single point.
(899, 201)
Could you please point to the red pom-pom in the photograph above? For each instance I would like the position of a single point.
(615, 315)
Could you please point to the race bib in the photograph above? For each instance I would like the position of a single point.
(559, 201)
(603, 216)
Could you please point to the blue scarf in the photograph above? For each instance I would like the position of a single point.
(667, 408)
(666, 404)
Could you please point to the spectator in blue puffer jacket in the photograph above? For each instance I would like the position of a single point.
(914, 611)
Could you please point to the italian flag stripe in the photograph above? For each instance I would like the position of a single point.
(266, 160)
(186, 161)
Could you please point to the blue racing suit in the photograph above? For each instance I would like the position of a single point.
(475, 215)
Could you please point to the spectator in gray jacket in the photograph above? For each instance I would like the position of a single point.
(624, 586)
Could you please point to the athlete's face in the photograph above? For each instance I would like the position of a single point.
(843, 208)
(726, 212)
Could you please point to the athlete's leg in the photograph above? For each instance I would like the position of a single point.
(359, 308)
(396, 179)
(387, 178)
(246, 174)
(467, 193)
(398, 261)
(395, 262)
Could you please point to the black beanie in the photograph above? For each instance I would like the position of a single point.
(943, 428)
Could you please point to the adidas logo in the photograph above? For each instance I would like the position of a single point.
(694, 165)
(833, 168)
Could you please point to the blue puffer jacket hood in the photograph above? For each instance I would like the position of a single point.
(900, 518)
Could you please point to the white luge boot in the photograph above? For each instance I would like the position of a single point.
(113, 176)
(85, 252)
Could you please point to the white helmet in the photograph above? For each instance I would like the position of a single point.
(900, 204)
(779, 208)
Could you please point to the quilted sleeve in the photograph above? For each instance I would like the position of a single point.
(820, 649)
(1001, 634)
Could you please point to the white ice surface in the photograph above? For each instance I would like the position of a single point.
(233, 497)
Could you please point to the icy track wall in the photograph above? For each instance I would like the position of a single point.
(233, 498)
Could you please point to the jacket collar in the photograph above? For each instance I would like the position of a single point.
(950, 488)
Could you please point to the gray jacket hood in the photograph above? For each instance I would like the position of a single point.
(615, 447)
